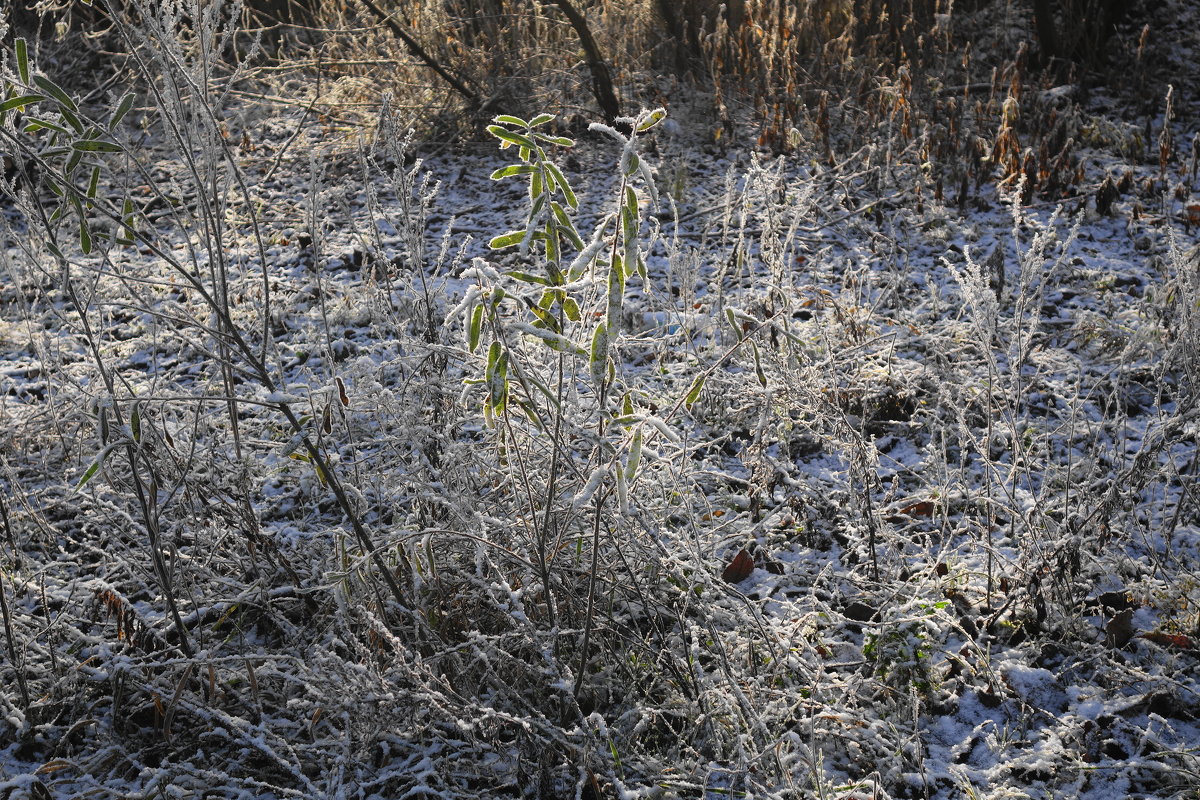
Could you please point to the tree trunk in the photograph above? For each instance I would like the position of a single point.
(1047, 33)
(602, 87)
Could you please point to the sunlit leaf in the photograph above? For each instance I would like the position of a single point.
(568, 193)
(526, 277)
(598, 357)
(509, 119)
(513, 169)
(656, 116)
(474, 329)
(571, 309)
(635, 455)
(35, 125)
(516, 139)
(20, 102)
(561, 141)
(507, 240)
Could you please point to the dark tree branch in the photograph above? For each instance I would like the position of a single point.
(602, 87)
(415, 48)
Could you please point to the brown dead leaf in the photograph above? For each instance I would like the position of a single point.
(740, 568)
(1119, 629)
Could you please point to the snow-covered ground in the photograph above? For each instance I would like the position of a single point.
(929, 528)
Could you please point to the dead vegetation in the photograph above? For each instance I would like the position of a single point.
(835, 438)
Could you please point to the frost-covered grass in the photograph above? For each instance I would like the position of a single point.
(795, 484)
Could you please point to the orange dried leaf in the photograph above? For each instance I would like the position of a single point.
(55, 765)
(921, 508)
(1175, 640)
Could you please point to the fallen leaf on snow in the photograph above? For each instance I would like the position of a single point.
(740, 568)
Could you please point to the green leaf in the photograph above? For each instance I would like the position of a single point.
(135, 422)
(22, 51)
(656, 116)
(552, 254)
(561, 141)
(544, 319)
(94, 183)
(758, 367)
(632, 167)
(526, 277)
(635, 455)
(475, 328)
(731, 318)
(73, 161)
(494, 352)
(629, 236)
(123, 108)
(97, 463)
(616, 293)
(507, 240)
(509, 119)
(34, 125)
(497, 378)
(54, 90)
(561, 180)
(540, 119)
(127, 216)
(566, 226)
(85, 236)
(512, 138)
(694, 392)
(513, 169)
(21, 102)
(631, 200)
(89, 473)
(598, 357)
(571, 309)
(560, 214)
(95, 146)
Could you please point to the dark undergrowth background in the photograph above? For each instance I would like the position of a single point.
(831, 434)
